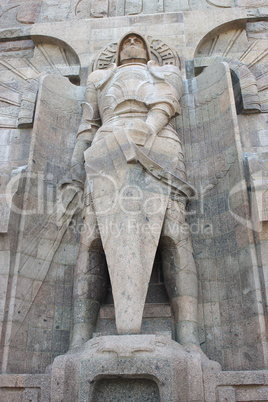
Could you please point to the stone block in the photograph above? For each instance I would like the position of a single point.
(226, 264)
(212, 314)
(177, 373)
(150, 311)
(25, 388)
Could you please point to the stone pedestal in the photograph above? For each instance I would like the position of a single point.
(140, 367)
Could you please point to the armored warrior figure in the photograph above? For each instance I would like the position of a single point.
(131, 159)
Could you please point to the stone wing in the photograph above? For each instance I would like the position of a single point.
(38, 218)
(219, 215)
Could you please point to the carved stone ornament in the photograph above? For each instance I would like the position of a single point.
(161, 52)
(126, 146)
(220, 3)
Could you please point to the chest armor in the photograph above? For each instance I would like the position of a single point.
(131, 89)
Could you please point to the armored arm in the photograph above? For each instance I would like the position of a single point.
(157, 119)
(90, 123)
(164, 105)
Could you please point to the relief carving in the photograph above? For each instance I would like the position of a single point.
(130, 158)
(27, 106)
(92, 8)
(161, 52)
(28, 14)
(221, 3)
(24, 14)
(133, 7)
(245, 50)
(112, 8)
(99, 8)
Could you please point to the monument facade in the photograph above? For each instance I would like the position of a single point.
(134, 200)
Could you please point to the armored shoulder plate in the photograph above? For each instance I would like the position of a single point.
(99, 77)
(169, 73)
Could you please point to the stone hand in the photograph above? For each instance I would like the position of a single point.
(139, 131)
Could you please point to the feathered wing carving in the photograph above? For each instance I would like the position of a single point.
(44, 220)
(219, 216)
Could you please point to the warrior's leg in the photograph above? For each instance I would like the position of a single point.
(180, 274)
(181, 281)
(90, 281)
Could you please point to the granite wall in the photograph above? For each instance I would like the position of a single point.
(224, 133)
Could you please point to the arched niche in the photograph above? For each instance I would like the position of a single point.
(244, 83)
(23, 61)
(245, 56)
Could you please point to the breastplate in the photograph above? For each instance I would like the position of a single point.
(127, 91)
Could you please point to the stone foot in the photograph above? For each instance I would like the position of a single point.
(207, 364)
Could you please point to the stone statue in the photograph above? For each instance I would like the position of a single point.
(135, 194)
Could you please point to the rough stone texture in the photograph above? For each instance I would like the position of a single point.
(175, 374)
(220, 251)
(25, 388)
(257, 179)
(157, 319)
(43, 245)
(123, 389)
(43, 37)
(236, 386)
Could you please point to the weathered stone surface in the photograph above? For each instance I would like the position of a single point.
(236, 386)
(36, 316)
(134, 155)
(25, 388)
(175, 374)
(29, 13)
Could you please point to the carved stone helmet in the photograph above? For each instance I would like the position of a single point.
(133, 47)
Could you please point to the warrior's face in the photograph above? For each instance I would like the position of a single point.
(133, 50)
(133, 41)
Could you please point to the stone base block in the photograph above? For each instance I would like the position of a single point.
(235, 386)
(142, 374)
(24, 387)
(128, 367)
